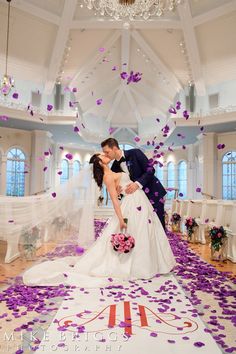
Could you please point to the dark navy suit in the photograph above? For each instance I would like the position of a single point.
(140, 171)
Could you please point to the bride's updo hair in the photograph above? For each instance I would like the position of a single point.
(98, 171)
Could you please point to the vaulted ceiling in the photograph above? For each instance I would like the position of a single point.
(62, 40)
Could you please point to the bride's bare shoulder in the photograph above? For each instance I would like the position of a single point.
(109, 178)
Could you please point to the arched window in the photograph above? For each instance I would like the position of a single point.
(229, 175)
(182, 179)
(76, 167)
(170, 179)
(16, 173)
(65, 171)
(159, 173)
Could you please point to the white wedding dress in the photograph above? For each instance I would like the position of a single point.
(151, 255)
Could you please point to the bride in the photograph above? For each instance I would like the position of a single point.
(151, 255)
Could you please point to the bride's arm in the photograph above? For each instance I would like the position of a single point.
(110, 184)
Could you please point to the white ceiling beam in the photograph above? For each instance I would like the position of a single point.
(101, 23)
(175, 84)
(192, 47)
(215, 13)
(96, 57)
(125, 49)
(59, 47)
(36, 11)
(132, 104)
(115, 103)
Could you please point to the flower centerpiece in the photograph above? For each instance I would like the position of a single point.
(175, 222)
(191, 225)
(122, 242)
(28, 242)
(218, 237)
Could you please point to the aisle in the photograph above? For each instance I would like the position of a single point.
(129, 319)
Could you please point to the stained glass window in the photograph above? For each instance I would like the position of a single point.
(170, 179)
(229, 175)
(65, 171)
(15, 173)
(182, 179)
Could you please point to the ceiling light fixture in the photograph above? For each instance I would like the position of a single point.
(131, 9)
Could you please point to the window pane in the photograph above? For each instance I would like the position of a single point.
(15, 173)
(170, 180)
(229, 175)
(65, 171)
(76, 167)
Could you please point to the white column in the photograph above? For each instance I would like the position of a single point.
(3, 187)
(39, 181)
(209, 163)
(191, 173)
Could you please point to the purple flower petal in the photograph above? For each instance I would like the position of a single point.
(54, 194)
(49, 107)
(79, 250)
(69, 156)
(124, 75)
(172, 110)
(139, 208)
(153, 334)
(198, 189)
(3, 118)
(199, 344)
(137, 139)
(15, 95)
(99, 101)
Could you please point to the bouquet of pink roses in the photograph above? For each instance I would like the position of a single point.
(122, 242)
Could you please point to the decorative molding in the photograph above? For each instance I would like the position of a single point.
(101, 23)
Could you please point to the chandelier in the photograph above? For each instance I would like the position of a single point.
(7, 81)
(132, 9)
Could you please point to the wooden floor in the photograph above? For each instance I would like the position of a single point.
(19, 265)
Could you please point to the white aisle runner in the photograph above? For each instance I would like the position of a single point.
(142, 316)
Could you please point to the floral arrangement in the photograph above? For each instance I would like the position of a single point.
(217, 234)
(190, 224)
(121, 242)
(175, 218)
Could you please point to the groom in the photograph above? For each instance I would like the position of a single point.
(136, 163)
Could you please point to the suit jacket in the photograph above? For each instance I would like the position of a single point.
(140, 171)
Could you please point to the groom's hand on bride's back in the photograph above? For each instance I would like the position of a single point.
(131, 188)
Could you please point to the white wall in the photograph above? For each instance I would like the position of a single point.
(34, 144)
(204, 167)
